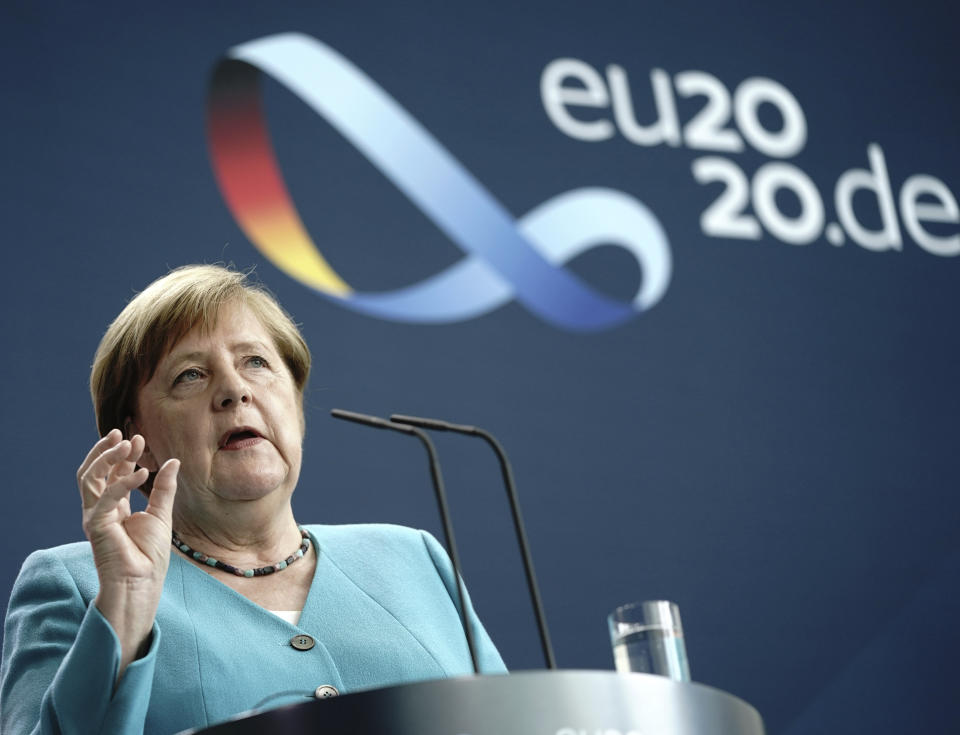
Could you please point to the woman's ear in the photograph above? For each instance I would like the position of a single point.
(147, 460)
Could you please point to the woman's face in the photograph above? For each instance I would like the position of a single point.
(223, 402)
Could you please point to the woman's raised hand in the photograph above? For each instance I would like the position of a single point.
(131, 550)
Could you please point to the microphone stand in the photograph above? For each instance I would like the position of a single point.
(507, 473)
(435, 475)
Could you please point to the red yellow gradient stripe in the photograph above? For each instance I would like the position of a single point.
(251, 183)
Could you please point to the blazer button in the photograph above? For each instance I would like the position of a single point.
(325, 691)
(302, 642)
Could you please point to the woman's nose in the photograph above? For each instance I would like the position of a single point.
(232, 390)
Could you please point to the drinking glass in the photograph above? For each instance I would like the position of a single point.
(647, 638)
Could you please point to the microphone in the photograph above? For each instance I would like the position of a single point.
(507, 473)
(441, 495)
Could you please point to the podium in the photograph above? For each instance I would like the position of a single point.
(524, 703)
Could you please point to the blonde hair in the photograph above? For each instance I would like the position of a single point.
(157, 317)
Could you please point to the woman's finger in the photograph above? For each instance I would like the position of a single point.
(97, 475)
(101, 466)
(128, 463)
(111, 439)
(115, 492)
(164, 490)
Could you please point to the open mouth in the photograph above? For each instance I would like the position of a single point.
(240, 438)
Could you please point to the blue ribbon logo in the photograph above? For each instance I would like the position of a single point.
(504, 258)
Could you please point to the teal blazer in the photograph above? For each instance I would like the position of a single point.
(382, 609)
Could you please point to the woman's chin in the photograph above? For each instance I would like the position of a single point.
(249, 488)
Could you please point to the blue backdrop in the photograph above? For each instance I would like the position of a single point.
(769, 439)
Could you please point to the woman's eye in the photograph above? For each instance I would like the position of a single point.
(257, 362)
(188, 376)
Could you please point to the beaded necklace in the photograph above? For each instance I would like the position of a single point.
(259, 572)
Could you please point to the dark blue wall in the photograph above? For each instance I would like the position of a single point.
(773, 444)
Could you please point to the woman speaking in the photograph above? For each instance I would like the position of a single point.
(213, 600)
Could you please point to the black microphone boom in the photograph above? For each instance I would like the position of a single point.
(435, 475)
(437, 424)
